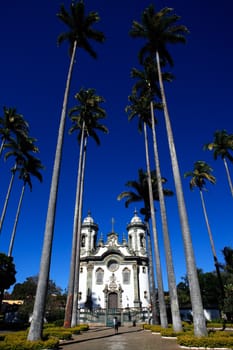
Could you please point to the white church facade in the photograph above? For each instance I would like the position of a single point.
(113, 277)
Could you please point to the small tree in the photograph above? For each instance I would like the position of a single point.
(228, 301)
(228, 257)
(7, 274)
(26, 291)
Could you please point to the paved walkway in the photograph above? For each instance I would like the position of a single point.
(128, 338)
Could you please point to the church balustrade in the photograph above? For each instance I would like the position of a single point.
(105, 316)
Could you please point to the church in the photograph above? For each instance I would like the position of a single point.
(113, 278)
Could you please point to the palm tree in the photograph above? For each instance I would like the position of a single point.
(31, 166)
(140, 106)
(85, 118)
(12, 123)
(76, 236)
(147, 84)
(160, 29)
(141, 193)
(20, 148)
(147, 79)
(162, 305)
(79, 33)
(221, 146)
(200, 174)
(10, 186)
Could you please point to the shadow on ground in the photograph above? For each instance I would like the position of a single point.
(91, 336)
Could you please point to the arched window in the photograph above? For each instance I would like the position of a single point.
(141, 241)
(130, 241)
(126, 276)
(99, 276)
(83, 241)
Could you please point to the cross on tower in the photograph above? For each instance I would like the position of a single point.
(113, 222)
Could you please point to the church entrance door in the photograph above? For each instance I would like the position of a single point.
(112, 308)
(112, 301)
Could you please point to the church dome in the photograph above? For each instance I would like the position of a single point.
(136, 219)
(88, 219)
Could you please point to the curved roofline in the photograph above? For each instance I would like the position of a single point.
(136, 224)
(88, 224)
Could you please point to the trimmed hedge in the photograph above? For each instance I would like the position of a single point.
(215, 339)
(155, 328)
(169, 332)
(61, 334)
(83, 327)
(210, 342)
(51, 337)
(20, 344)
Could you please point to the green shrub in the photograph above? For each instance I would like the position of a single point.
(60, 333)
(155, 328)
(21, 335)
(29, 345)
(169, 332)
(75, 330)
(214, 324)
(18, 341)
(83, 327)
(51, 337)
(220, 334)
(146, 326)
(49, 325)
(187, 326)
(59, 323)
(78, 329)
(213, 341)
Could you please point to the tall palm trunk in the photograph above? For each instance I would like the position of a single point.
(176, 320)
(77, 256)
(216, 263)
(70, 294)
(2, 145)
(162, 306)
(16, 221)
(195, 294)
(155, 318)
(228, 176)
(36, 328)
(7, 197)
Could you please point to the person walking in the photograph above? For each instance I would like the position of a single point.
(115, 324)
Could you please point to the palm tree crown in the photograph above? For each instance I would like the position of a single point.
(147, 79)
(222, 145)
(32, 166)
(139, 107)
(201, 173)
(140, 192)
(87, 113)
(80, 27)
(12, 124)
(21, 147)
(159, 29)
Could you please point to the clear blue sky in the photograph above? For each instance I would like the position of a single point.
(33, 72)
